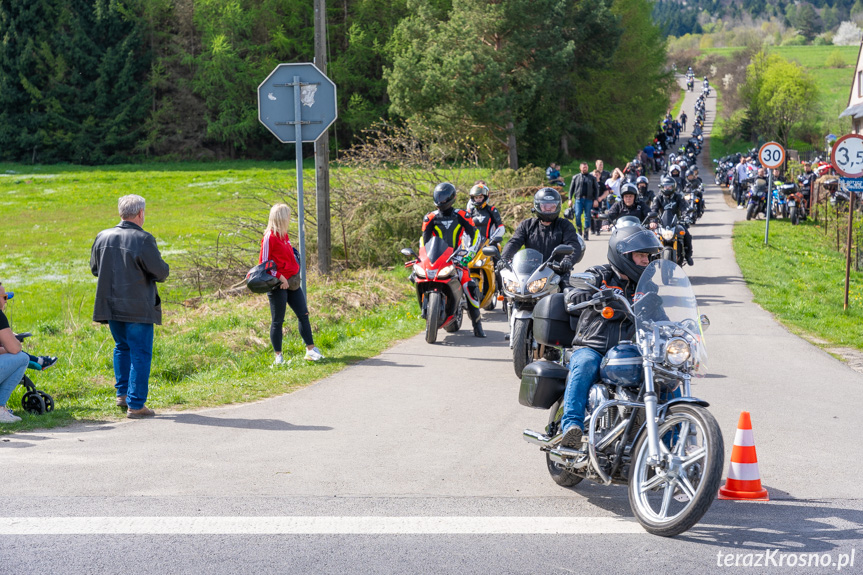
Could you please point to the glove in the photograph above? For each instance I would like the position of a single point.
(466, 260)
(564, 266)
(569, 213)
(500, 265)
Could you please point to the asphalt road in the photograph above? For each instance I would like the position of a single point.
(413, 462)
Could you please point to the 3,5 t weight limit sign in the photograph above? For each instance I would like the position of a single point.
(771, 155)
(847, 156)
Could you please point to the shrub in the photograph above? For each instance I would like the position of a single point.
(796, 40)
(835, 60)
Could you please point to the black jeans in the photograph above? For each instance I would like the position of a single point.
(279, 300)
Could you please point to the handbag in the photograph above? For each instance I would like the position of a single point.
(261, 278)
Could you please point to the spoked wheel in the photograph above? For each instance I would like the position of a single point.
(522, 345)
(33, 403)
(669, 499)
(432, 316)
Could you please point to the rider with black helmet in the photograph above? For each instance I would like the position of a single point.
(695, 185)
(645, 194)
(545, 232)
(629, 205)
(670, 199)
(449, 225)
(629, 251)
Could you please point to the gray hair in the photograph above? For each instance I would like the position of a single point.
(129, 206)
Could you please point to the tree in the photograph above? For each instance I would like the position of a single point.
(848, 34)
(807, 22)
(479, 69)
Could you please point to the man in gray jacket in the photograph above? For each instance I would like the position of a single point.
(128, 264)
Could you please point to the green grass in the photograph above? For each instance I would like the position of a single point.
(675, 111)
(209, 351)
(799, 278)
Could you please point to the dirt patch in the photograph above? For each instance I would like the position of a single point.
(852, 357)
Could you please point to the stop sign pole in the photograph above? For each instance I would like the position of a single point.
(297, 122)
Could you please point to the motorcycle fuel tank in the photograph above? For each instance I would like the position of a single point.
(622, 365)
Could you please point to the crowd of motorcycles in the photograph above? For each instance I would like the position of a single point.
(643, 428)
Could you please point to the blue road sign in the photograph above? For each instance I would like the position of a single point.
(317, 98)
(852, 184)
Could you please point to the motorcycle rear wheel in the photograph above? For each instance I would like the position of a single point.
(522, 345)
(671, 501)
(793, 216)
(561, 475)
(432, 316)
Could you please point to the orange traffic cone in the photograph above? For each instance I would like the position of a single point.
(744, 481)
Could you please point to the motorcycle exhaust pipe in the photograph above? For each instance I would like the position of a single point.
(569, 458)
(538, 438)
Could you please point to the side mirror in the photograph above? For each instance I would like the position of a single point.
(653, 215)
(497, 234)
(705, 322)
(490, 251)
(563, 250)
(582, 281)
(407, 252)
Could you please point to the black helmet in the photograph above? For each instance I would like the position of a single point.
(480, 190)
(444, 196)
(642, 180)
(692, 171)
(546, 204)
(628, 188)
(625, 241)
(667, 185)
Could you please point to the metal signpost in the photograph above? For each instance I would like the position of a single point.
(297, 103)
(771, 155)
(847, 158)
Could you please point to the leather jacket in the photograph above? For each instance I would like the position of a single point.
(591, 329)
(530, 233)
(128, 264)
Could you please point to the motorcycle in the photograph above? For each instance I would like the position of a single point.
(781, 195)
(796, 206)
(757, 203)
(481, 269)
(437, 277)
(670, 232)
(690, 84)
(695, 198)
(643, 426)
(526, 281)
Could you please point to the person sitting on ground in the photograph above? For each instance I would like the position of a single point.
(552, 174)
(13, 362)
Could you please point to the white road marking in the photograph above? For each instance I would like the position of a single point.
(316, 525)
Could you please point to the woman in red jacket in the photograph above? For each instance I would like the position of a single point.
(276, 246)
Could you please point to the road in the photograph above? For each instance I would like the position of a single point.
(413, 462)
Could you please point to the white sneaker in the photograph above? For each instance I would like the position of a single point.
(6, 416)
(739, 207)
(314, 354)
(280, 361)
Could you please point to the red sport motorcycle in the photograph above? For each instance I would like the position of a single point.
(437, 277)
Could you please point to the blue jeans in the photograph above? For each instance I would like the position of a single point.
(582, 205)
(133, 354)
(12, 367)
(583, 372)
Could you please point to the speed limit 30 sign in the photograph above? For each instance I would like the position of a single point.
(847, 156)
(771, 155)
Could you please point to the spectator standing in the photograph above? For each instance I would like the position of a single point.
(127, 263)
(276, 246)
(583, 190)
(13, 362)
(741, 174)
(601, 175)
(650, 153)
(683, 119)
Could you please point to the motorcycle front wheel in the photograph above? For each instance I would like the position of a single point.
(522, 345)
(669, 500)
(433, 316)
(750, 211)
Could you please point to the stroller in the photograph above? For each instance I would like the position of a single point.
(34, 401)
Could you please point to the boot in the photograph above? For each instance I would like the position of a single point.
(477, 329)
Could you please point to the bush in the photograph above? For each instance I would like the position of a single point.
(835, 60)
(796, 40)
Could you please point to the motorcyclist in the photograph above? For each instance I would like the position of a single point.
(645, 194)
(449, 225)
(695, 185)
(676, 174)
(670, 199)
(629, 205)
(485, 216)
(629, 251)
(807, 181)
(706, 82)
(545, 232)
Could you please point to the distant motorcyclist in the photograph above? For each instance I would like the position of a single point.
(676, 174)
(545, 232)
(645, 194)
(695, 185)
(807, 182)
(670, 199)
(629, 251)
(449, 225)
(629, 205)
(485, 216)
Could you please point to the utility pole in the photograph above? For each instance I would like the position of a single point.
(322, 150)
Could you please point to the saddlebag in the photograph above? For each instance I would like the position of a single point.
(542, 383)
(551, 322)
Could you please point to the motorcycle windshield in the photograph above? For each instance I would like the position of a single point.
(526, 261)
(668, 219)
(436, 251)
(664, 297)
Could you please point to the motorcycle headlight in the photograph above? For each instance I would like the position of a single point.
(446, 272)
(688, 197)
(668, 235)
(419, 271)
(677, 351)
(511, 286)
(536, 285)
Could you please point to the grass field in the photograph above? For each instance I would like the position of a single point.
(801, 279)
(209, 351)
